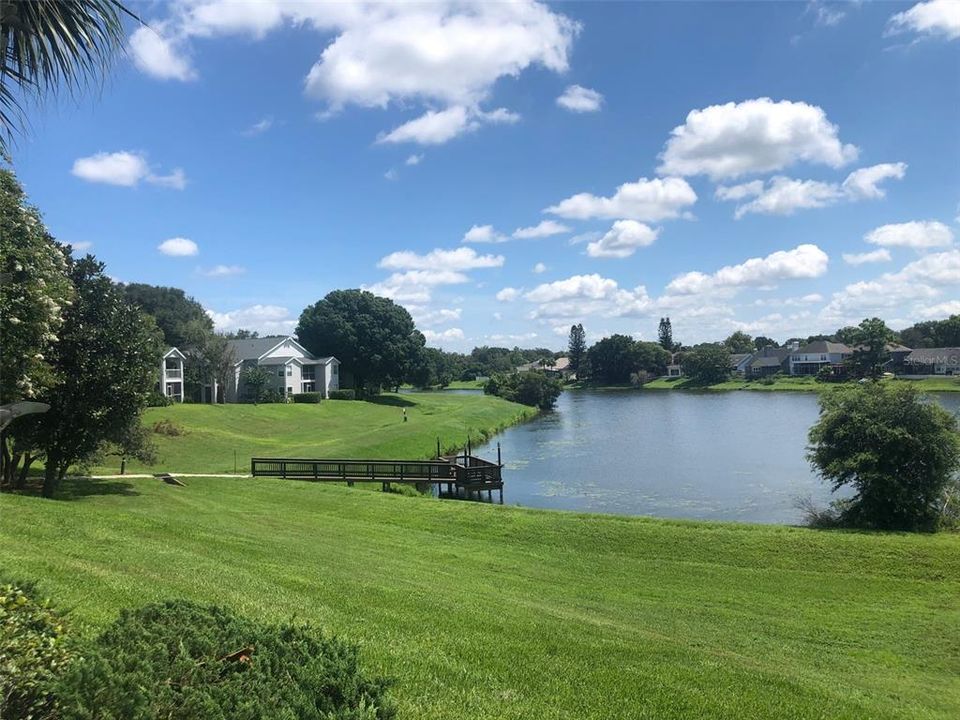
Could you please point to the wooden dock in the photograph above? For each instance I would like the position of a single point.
(463, 475)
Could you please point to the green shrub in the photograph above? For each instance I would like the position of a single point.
(307, 397)
(33, 651)
(156, 399)
(181, 661)
(343, 395)
(528, 388)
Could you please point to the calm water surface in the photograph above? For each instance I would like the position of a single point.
(712, 456)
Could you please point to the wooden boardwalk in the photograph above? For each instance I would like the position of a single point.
(465, 474)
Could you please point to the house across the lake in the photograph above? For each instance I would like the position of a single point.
(933, 361)
(559, 367)
(813, 357)
(768, 361)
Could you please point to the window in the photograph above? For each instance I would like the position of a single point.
(280, 372)
(309, 372)
(289, 390)
(336, 370)
(289, 370)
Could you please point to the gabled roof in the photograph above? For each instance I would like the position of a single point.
(824, 347)
(254, 348)
(935, 356)
(174, 351)
(767, 361)
(737, 358)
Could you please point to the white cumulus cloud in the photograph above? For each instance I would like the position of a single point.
(902, 297)
(622, 240)
(461, 258)
(864, 183)
(483, 234)
(545, 228)
(803, 261)
(178, 247)
(784, 196)
(752, 137)
(874, 256)
(933, 18)
(441, 55)
(435, 337)
(539, 268)
(577, 98)
(508, 294)
(224, 270)
(644, 200)
(160, 56)
(918, 234)
(124, 168)
(265, 319)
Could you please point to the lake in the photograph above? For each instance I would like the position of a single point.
(712, 456)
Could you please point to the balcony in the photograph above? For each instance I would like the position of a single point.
(172, 373)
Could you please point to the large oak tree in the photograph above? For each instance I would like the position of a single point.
(375, 339)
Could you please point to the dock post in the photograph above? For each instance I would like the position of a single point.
(499, 461)
(501, 494)
(438, 447)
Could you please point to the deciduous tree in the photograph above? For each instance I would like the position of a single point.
(373, 337)
(870, 340)
(108, 354)
(707, 364)
(894, 448)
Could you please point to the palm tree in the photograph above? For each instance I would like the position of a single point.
(53, 43)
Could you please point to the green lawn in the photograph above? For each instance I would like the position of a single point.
(333, 428)
(792, 383)
(495, 612)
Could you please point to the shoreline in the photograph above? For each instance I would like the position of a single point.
(932, 385)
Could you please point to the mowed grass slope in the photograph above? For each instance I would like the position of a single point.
(333, 428)
(484, 611)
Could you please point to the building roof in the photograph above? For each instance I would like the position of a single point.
(253, 348)
(824, 347)
(766, 361)
(935, 356)
(737, 358)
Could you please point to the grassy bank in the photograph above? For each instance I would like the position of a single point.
(496, 612)
(334, 428)
(792, 384)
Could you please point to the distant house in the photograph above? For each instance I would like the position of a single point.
(768, 361)
(674, 369)
(292, 368)
(171, 374)
(933, 361)
(555, 368)
(812, 357)
(739, 361)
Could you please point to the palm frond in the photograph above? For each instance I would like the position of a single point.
(48, 45)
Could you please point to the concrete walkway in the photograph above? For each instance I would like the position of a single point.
(140, 476)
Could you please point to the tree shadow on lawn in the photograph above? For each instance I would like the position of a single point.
(392, 400)
(78, 488)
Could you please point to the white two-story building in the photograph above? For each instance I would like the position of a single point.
(171, 374)
(812, 357)
(292, 368)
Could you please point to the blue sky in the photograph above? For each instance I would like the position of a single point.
(783, 168)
